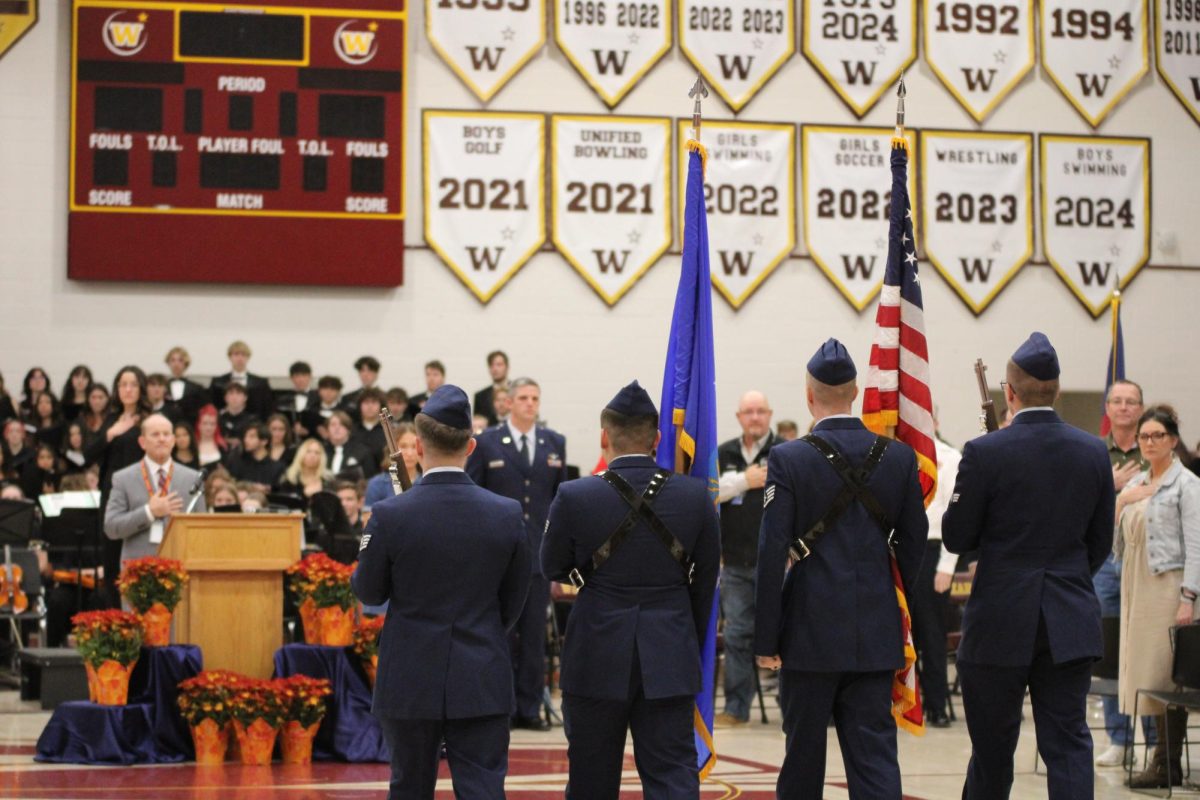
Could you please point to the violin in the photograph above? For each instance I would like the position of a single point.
(11, 595)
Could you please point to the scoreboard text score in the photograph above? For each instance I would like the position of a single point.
(234, 143)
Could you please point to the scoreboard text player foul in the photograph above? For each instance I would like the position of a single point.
(238, 143)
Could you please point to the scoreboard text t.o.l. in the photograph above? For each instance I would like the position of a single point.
(238, 143)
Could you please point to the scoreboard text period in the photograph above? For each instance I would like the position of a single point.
(238, 143)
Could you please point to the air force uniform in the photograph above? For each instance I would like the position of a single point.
(631, 658)
(532, 479)
(452, 560)
(833, 617)
(1036, 499)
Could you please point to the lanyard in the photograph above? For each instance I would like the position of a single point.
(150, 492)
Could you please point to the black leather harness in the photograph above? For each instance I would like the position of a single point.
(855, 488)
(640, 508)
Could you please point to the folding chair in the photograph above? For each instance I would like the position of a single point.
(1185, 672)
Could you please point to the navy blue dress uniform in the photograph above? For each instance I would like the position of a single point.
(453, 561)
(1036, 499)
(497, 465)
(833, 618)
(631, 658)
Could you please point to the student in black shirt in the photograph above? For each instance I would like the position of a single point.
(254, 463)
(74, 392)
(36, 382)
(236, 417)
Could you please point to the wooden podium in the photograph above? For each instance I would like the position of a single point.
(232, 606)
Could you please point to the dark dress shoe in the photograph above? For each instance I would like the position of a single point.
(937, 719)
(530, 724)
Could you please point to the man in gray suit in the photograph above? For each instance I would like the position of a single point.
(146, 494)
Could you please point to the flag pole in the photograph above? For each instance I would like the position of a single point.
(898, 140)
(1115, 305)
(698, 91)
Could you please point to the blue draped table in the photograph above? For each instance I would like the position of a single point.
(349, 732)
(148, 730)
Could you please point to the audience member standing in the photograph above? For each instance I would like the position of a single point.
(236, 416)
(74, 393)
(497, 364)
(7, 409)
(435, 376)
(253, 463)
(453, 562)
(34, 384)
(258, 391)
(308, 472)
(1036, 500)
(1158, 539)
(117, 446)
(282, 445)
(94, 414)
(833, 621)
(742, 463)
(347, 458)
(525, 461)
(185, 446)
(929, 600)
(189, 395)
(369, 431)
(211, 446)
(1123, 405)
(368, 375)
(643, 548)
(380, 487)
(158, 395)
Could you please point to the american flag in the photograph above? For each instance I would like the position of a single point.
(897, 397)
(897, 400)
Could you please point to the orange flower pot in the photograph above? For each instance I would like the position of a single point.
(257, 742)
(156, 626)
(371, 666)
(211, 740)
(337, 626)
(296, 742)
(309, 621)
(108, 684)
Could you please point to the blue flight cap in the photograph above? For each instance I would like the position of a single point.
(832, 365)
(633, 401)
(1037, 357)
(449, 405)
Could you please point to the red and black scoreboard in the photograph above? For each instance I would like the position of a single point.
(238, 143)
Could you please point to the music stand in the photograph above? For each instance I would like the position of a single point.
(17, 518)
(67, 532)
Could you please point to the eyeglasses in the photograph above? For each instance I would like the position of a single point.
(1155, 436)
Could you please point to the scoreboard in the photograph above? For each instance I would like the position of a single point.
(238, 143)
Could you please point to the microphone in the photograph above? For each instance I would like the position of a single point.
(195, 493)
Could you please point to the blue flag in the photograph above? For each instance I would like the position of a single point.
(688, 421)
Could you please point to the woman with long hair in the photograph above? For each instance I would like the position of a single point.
(116, 447)
(210, 444)
(1157, 539)
(308, 472)
(94, 413)
(36, 381)
(380, 488)
(75, 392)
(48, 420)
(74, 441)
(282, 446)
(185, 446)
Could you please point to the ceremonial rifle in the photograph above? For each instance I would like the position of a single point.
(987, 405)
(401, 482)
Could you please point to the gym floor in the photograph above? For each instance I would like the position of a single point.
(932, 768)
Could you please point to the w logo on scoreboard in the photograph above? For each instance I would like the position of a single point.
(355, 45)
(125, 37)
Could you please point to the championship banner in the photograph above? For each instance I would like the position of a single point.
(487, 42)
(485, 203)
(977, 208)
(860, 47)
(1095, 212)
(613, 45)
(1095, 51)
(737, 44)
(16, 17)
(980, 51)
(750, 194)
(1177, 49)
(611, 197)
(845, 172)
